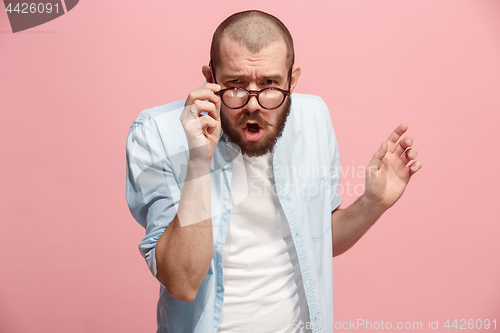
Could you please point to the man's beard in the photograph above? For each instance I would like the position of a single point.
(265, 144)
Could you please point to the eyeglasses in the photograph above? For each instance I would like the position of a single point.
(268, 98)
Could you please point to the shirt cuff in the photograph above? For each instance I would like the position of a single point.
(151, 260)
(336, 202)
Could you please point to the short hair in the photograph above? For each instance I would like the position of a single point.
(254, 30)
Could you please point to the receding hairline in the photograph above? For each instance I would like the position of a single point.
(254, 30)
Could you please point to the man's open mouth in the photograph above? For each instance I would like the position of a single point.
(253, 131)
(254, 128)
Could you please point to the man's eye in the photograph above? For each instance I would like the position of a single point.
(270, 82)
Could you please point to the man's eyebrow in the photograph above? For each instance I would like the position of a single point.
(273, 77)
(232, 77)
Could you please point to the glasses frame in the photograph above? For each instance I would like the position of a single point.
(255, 93)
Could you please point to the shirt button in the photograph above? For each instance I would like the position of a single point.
(217, 249)
(226, 203)
(219, 288)
(227, 157)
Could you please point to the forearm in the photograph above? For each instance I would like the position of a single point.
(184, 250)
(350, 224)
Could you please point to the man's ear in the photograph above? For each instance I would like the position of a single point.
(207, 72)
(295, 77)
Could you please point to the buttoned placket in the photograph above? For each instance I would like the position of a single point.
(226, 175)
(282, 190)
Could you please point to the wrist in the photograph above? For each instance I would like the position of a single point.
(372, 207)
(197, 168)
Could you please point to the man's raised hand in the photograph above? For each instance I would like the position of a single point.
(202, 130)
(390, 169)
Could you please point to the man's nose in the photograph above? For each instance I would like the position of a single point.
(253, 103)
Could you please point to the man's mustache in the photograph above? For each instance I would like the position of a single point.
(255, 116)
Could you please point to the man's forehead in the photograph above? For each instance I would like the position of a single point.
(236, 58)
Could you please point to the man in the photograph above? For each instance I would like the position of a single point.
(237, 189)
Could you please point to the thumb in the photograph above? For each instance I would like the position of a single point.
(376, 160)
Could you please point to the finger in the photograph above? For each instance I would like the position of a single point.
(216, 99)
(403, 144)
(209, 107)
(194, 110)
(206, 91)
(214, 87)
(211, 86)
(208, 124)
(188, 112)
(409, 155)
(414, 167)
(394, 137)
(376, 160)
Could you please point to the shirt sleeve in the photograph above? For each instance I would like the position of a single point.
(152, 191)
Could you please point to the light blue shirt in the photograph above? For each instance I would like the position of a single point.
(307, 175)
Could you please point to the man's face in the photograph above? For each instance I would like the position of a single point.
(252, 127)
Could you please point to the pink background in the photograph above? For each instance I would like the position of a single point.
(69, 90)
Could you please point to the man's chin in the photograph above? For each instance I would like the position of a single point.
(255, 144)
(260, 147)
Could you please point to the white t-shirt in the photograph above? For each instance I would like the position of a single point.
(262, 281)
